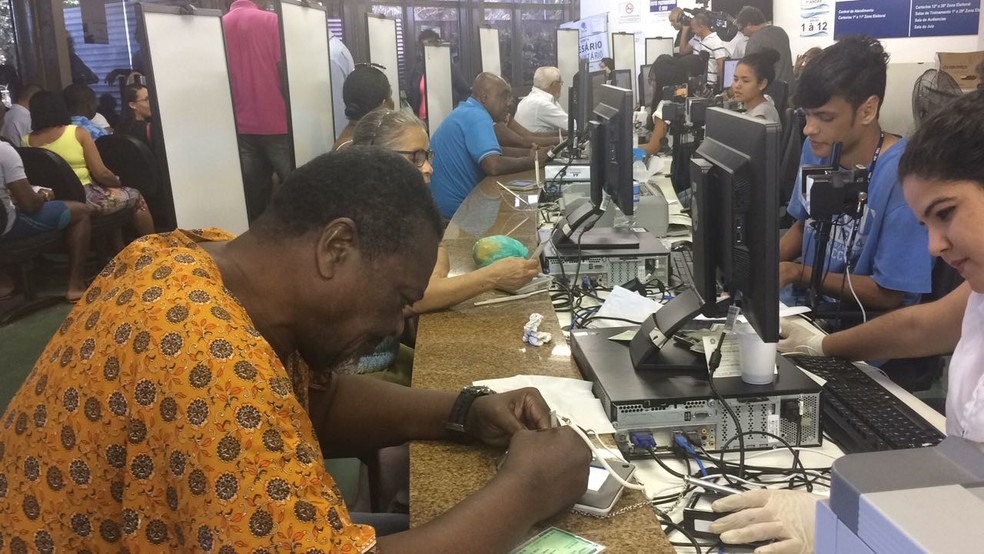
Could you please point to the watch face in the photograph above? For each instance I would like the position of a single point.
(478, 390)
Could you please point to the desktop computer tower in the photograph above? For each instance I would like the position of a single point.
(609, 267)
(662, 404)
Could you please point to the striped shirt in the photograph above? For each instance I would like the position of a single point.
(717, 49)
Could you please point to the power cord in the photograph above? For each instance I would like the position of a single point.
(599, 454)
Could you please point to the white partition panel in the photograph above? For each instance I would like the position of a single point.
(437, 68)
(623, 51)
(568, 41)
(383, 49)
(488, 43)
(305, 31)
(192, 101)
(657, 46)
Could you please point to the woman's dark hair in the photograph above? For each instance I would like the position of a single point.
(48, 110)
(428, 35)
(763, 64)
(666, 70)
(364, 90)
(947, 145)
(128, 118)
(692, 64)
(609, 63)
(378, 189)
(853, 68)
(80, 99)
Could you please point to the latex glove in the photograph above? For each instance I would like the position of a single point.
(784, 516)
(800, 336)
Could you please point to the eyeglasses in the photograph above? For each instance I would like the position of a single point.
(418, 157)
(142, 99)
(372, 65)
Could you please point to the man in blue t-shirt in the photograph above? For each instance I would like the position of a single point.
(465, 147)
(885, 254)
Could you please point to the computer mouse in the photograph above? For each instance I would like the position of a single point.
(682, 245)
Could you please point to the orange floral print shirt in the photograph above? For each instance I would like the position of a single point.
(159, 420)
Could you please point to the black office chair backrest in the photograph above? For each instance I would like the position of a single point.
(779, 91)
(44, 168)
(132, 161)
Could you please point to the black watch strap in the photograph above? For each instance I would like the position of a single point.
(459, 412)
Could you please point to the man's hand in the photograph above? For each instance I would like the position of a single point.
(493, 419)
(513, 272)
(785, 516)
(790, 273)
(553, 466)
(539, 152)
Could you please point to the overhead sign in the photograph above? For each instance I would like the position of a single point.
(907, 18)
(593, 38)
(661, 6)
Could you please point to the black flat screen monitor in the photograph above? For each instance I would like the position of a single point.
(645, 85)
(597, 80)
(622, 78)
(611, 147)
(735, 179)
(729, 73)
(579, 100)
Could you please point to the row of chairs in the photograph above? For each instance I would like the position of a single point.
(125, 156)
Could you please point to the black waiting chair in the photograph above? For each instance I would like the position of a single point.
(137, 167)
(47, 169)
(20, 254)
(778, 90)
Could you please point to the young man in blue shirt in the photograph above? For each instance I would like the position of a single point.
(841, 92)
(465, 147)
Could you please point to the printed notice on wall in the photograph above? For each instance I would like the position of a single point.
(630, 12)
(816, 18)
(661, 6)
(593, 38)
(907, 18)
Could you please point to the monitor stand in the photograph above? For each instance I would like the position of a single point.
(653, 348)
(607, 238)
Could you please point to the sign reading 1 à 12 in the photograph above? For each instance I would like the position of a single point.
(907, 18)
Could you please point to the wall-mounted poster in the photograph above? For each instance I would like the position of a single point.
(907, 18)
(816, 18)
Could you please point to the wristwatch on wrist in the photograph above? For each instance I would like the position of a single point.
(459, 412)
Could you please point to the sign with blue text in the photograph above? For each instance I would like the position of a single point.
(660, 6)
(907, 18)
(593, 38)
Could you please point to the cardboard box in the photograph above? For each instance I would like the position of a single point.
(962, 66)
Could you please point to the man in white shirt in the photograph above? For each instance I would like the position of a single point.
(341, 65)
(713, 45)
(17, 121)
(539, 111)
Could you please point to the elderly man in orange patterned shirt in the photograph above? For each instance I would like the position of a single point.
(169, 411)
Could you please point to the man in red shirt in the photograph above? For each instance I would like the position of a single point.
(252, 38)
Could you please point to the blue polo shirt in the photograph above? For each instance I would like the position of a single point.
(890, 247)
(460, 144)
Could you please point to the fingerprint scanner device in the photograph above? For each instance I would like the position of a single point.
(916, 500)
(603, 490)
(604, 267)
(662, 403)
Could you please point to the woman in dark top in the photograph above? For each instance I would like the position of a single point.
(136, 118)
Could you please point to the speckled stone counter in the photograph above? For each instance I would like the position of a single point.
(466, 343)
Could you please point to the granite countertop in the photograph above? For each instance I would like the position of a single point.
(465, 343)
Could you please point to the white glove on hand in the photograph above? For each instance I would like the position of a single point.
(800, 336)
(785, 516)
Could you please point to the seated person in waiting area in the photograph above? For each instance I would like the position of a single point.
(31, 212)
(942, 173)
(885, 253)
(82, 103)
(170, 411)
(52, 130)
(402, 132)
(465, 146)
(365, 89)
(539, 111)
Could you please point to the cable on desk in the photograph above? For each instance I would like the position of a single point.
(796, 459)
(679, 529)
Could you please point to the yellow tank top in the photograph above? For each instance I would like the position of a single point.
(70, 149)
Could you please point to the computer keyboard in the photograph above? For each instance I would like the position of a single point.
(860, 415)
(682, 268)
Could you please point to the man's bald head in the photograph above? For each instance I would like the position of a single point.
(674, 17)
(493, 92)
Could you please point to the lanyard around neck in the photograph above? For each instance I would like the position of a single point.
(874, 159)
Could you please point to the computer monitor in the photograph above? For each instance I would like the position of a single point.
(579, 100)
(611, 135)
(597, 80)
(645, 86)
(735, 179)
(735, 215)
(729, 73)
(622, 78)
